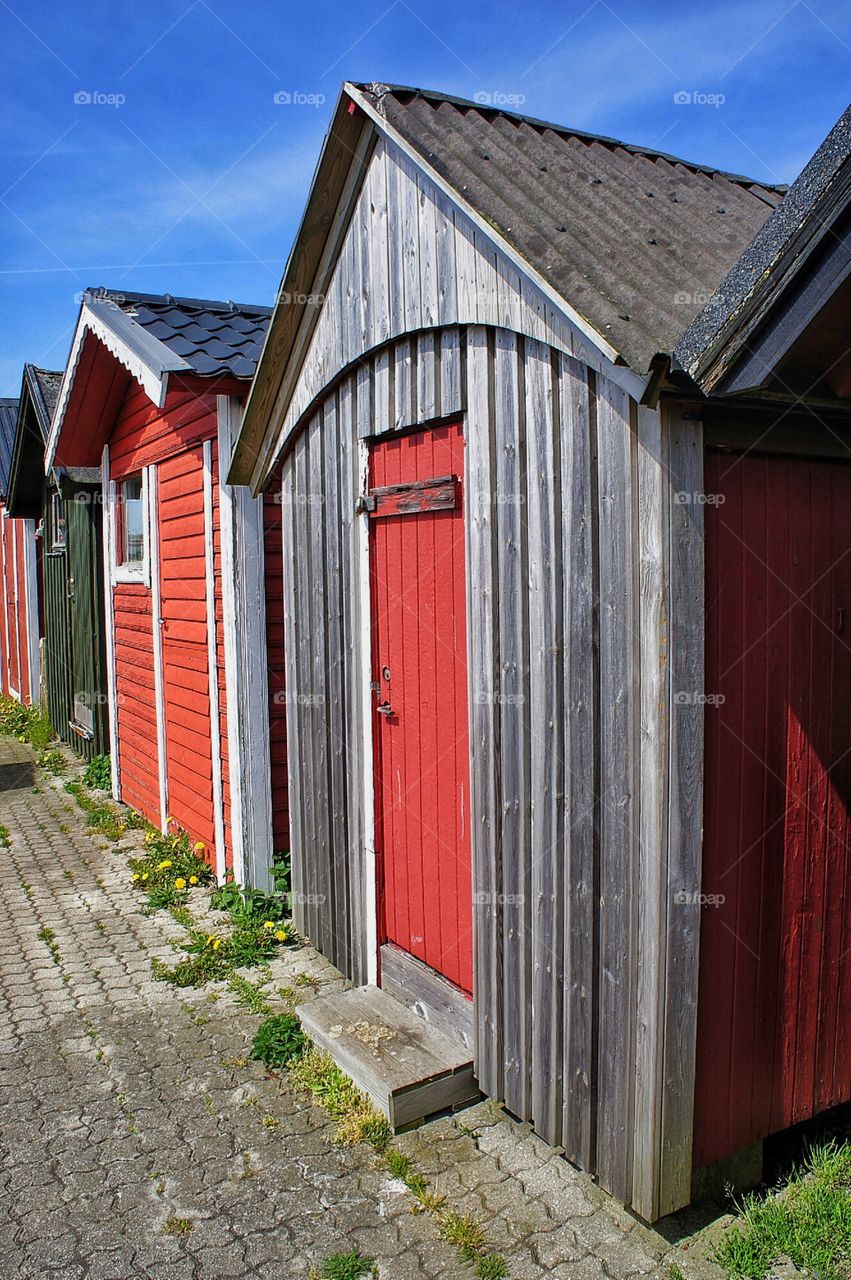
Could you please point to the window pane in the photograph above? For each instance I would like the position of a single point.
(58, 523)
(132, 523)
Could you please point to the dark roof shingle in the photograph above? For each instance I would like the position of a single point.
(635, 240)
(212, 337)
(8, 426)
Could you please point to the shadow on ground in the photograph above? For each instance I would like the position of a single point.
(17, 777)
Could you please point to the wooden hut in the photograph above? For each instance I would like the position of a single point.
(506, 709)
(65, 505)
(20, 668)
(152, 395)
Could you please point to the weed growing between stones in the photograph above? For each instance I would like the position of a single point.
(28, 724)
(102, 818)
(5, 837)
(279, 1040)
(250, 994)
(357, 1119)
(178, 1226)
(52, 761)
(344, 1266)
(98, 774)
(48, 937)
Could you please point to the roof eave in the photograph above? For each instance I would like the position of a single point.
(148, 361)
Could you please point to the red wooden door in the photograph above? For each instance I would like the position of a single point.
(774, 1021)
(183, 608)
(420, 683)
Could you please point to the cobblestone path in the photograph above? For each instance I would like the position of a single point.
(136, 1142)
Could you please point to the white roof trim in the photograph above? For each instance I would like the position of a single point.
(145, 358)
(557, 299)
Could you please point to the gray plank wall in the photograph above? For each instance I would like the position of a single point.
(585, 783)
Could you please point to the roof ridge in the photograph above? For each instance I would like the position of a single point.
(226, 306)
(378, 90)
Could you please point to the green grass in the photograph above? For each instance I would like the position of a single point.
(808, 1221)
(357, 1119)
(27, 724)
(5, 836)
(102, 818)
(345, 1266)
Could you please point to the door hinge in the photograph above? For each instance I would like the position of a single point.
(366, 502)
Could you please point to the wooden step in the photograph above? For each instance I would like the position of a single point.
(409, 1069)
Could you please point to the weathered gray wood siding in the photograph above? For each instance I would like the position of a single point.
(584, 579)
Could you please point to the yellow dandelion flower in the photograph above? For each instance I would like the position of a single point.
(144, 875)
(268, 924)
(198, 846)
(217, 943)
(193, 879)
(135, 877)
(281, 935)
(180, 883)
(164, 865)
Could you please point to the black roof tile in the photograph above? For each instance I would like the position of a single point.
(214, 338)
(8, 426)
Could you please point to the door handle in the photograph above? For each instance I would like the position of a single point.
(384, 709)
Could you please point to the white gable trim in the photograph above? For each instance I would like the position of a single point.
(145, 358)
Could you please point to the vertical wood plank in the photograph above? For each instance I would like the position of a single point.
(427, 389)
(546, 729)
(653, 817)
(580, 761)
(484, 723)
(618, 787)
(512, 694)
(685, 809)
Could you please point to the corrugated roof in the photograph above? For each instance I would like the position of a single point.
(759, 266)
(212, 337)
(636, 240)
(8, 426)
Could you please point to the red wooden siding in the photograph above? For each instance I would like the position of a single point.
(419, 634)
(774, 1029)
(183, 607)
(137, 721)
(173, 439)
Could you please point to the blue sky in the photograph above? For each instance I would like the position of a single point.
(184, 175)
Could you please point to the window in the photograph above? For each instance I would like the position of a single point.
(57, 522)
(131, 523)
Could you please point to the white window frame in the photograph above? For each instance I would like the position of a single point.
(140, 572)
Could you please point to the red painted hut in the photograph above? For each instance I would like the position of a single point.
(19, 615)
(153, 394)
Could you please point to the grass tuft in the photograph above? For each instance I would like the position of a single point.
(345, 1266)
(357, 1119)
(808, 1221)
